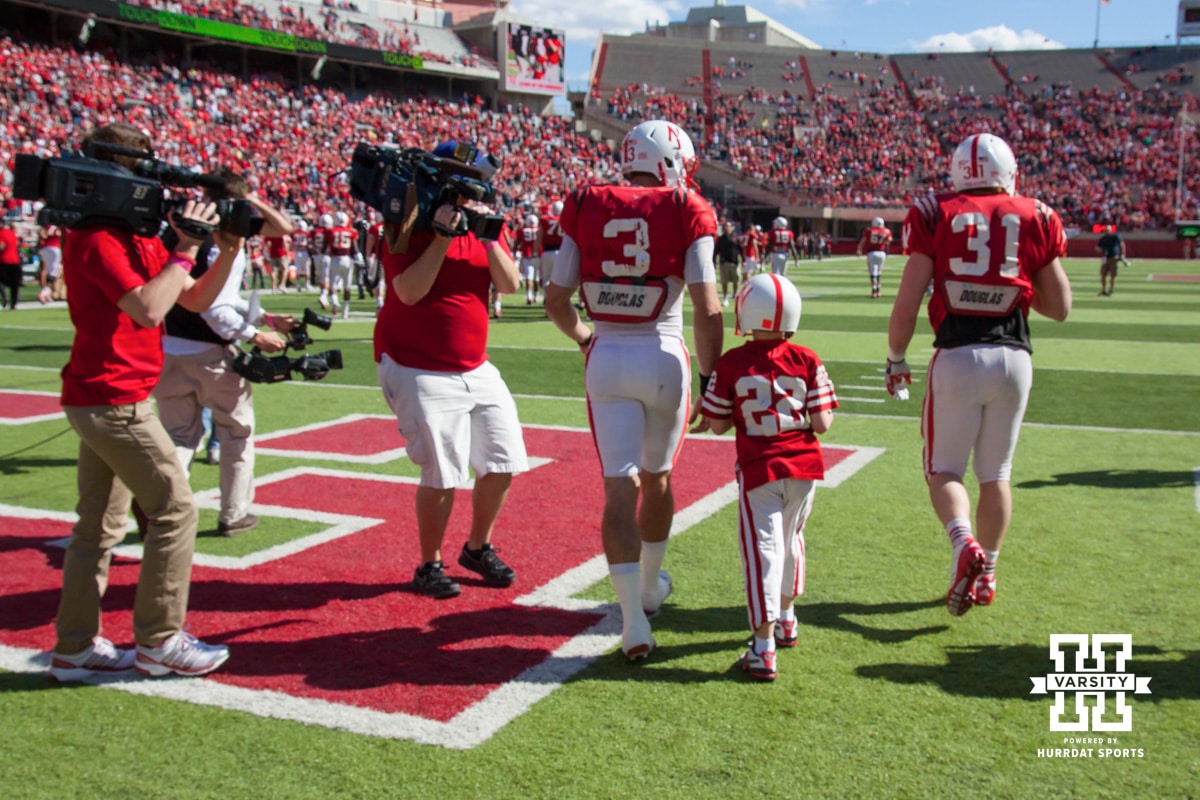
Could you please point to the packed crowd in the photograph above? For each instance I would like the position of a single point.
(293, 143)
(329, 27)
(1094, 155)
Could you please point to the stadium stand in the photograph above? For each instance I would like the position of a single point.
(952, 73)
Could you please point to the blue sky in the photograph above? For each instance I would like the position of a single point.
(892, 26)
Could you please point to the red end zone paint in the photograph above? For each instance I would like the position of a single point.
(338, 623)
(18, 407)
(360, 437)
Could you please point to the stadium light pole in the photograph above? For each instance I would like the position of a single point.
(1096, 41)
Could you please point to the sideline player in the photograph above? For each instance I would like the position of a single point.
(783, 246)
(529, 242)
(343, 243)
(778, 397)
(633, 249)
(1111, 248)
(318, 248)
(992, 256)
(875, 240)
(751, 250)
(550, 238)
(300, 256)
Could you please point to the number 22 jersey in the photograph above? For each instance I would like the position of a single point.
(769, 389)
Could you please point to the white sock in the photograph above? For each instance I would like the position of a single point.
(788, 615)
(990, 567)
(959, 531)
(653, 554)
(625, 579)
(764, 645)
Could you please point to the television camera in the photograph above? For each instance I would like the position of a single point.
(81, 190)
(256, 367)
(408, 185)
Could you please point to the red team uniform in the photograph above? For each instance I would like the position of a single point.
(986, 249)
(770, 391)
(781, 243)
(631, 239)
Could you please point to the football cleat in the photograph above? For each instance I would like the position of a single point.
(759, 666)
(637, 641)
(787, 632)
(969, 562)
(985, 589)
(652, 602)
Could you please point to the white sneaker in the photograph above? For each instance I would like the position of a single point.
(346, 311)
(182, 654)
(725, 302)
(323, 301)
(652, 601)
(99, 656)
(337, 302)
(638, 640)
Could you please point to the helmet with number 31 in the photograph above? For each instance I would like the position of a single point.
(659, 148)
(768, 302)
(983, 161)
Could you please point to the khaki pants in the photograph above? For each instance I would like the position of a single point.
(122, 449)
(189, 384)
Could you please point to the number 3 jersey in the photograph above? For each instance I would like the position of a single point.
(769, 389)
(632, 243)
(985, 250)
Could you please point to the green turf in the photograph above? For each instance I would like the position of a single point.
(887, 696)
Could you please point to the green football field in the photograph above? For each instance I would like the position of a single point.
(886, 695)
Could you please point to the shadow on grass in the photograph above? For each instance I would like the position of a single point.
(23, 466)
(1004, 672)
(1116, 479)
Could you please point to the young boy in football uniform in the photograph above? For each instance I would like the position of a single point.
(778, 398)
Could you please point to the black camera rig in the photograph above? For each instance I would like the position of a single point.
(256, 367)
(407, 186)
(82, 190)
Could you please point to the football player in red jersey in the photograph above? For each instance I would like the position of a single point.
(343, 243)
(277, 257)
(550, 239)
(751, 251)
(632, 250)
(301, 238)
(529, 242)
(778, 397)
(782, 245)
(991, 256)
(318, 248)
(453, 407)
(50, 256)
(374, 248)
(875, 240)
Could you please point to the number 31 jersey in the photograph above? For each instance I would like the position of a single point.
(769, 389)
(985, 250)
(631, 240)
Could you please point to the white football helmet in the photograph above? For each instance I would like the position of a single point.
(325, 221)
(342, 219)
(659, 148)
(531, 221)
(877, 222)
(982, 161)
(780, 224)
(758, 228)
(556, 208)
(302, 225)
(768, 302)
